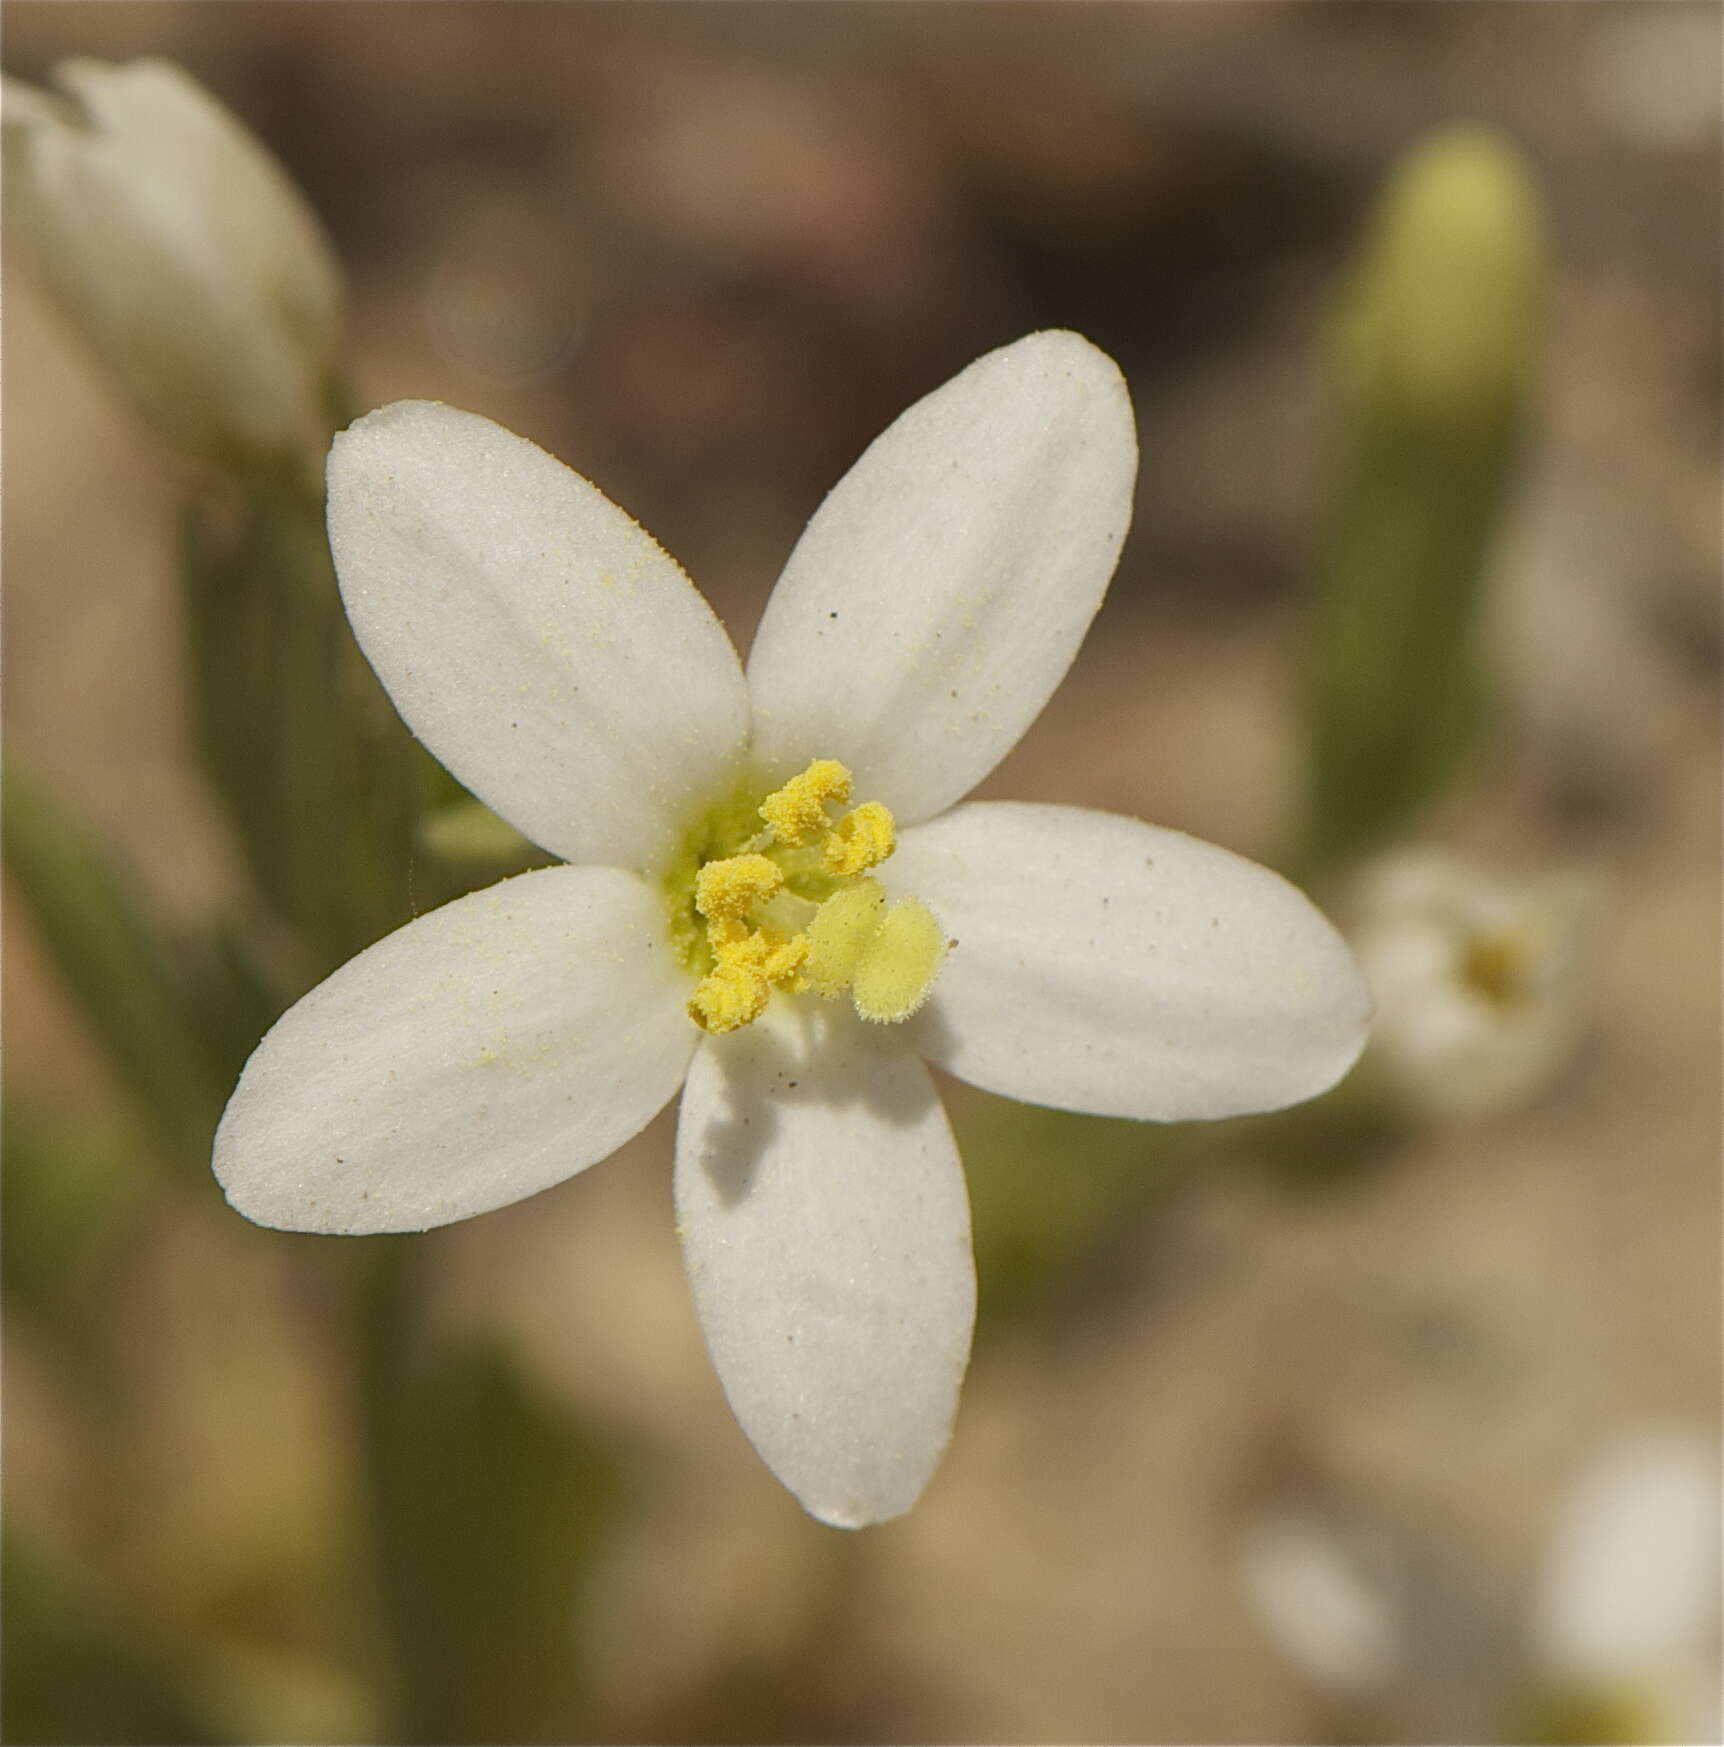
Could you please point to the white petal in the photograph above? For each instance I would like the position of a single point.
(543, 645)
(941, 591)
(1324, 1607)
(1632, 1584)
(480, 1054)
(826, 1230)
(1109, 966)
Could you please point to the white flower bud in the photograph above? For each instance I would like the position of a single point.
(182, 253)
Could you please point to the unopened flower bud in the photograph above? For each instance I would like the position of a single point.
(1441, 321)
(179, 249)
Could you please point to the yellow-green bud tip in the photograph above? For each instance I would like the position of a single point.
(1441, 319)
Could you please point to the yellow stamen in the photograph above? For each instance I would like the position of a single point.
(860, 840)
(797, 812)
(732, 994)
(724, 933)
(785, 965)
(843, 926)
(898, 963)
(725, 891)
(776, 916)
(747, 967)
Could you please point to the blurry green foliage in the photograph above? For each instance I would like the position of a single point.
(133, 987)
(486, 1504)
(1050, 1191)
(70, 1677)
(233, 997)
(468, 836)
(64, 1193)
(1332, 1141)
(1046, 1188)
(489, 1507)
(323, 782)
(1433, 355)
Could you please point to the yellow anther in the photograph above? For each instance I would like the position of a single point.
(840, 930)
(860, 840)
(725, 891)
(898, 963)
(725, 933)
(732, 994)
(784, 965)
(797, 812)
(746, 968)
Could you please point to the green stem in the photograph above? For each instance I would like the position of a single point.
(386, 1288)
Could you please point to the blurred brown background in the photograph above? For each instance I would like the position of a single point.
(704, 253)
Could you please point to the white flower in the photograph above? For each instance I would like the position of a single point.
(1481, 982)
(1625, 1627)
(1617, 1640)
(184, 256)
(561, 665)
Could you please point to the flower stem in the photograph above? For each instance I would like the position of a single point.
(386, 1289)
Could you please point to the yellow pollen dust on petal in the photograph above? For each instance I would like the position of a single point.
(860, 840)
(797, 812)
(898, 963)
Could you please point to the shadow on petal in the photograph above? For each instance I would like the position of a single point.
(742, 1125)
(817, 1055)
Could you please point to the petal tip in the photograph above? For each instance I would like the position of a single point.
(1068, 352)
(852, 1517)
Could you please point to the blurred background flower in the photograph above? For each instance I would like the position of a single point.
(481, 1486)
(1613, 1640)
(1483, 984)
(1625, 1626)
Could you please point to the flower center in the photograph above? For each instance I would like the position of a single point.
(1496, 967)
(792, 907)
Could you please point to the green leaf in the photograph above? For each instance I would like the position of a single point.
(117, 966)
